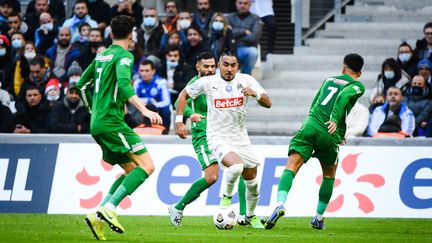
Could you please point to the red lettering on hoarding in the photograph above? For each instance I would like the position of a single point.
(228, 103)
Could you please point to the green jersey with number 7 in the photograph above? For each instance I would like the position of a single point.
(105, 87)
(333, 102)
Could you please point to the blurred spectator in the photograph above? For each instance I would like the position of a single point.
(171, 11)
(247, 30)
(39, 76)
(393, 119)
(88, 52)
(32, 15)
(141, 124)
(184, 21)
(5, 97)
(424, 46)
(22, 66)
(357, 121)
(5, 63)
(55, 7)
(173, 38)
(391, 75)
(16, 24)
(33, 116)
(74, 73)
(46, 34)
(152, 89)
(53, 92)
(220, 35)
(62, 54)
(424, 68)
(131, 8)
(17, 45)
(5, 10)
(203, 16)
(175, 71)
(16, 6)
(264, 9)
(149, 35)
(84, 32)
(194, 46)
(100, 11)
(7, 123)
(70, 116)
(80, 16)
(377, 100)
(417, 99)
(407, 59)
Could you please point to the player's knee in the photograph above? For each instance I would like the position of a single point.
(251, 184)
(149, 168)
(211, 178)
(236, 169)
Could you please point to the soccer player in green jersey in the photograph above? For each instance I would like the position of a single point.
(320, 136)
(110, 73)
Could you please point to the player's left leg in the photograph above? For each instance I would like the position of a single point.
(241, 220)
(233, 169)
(252, 196)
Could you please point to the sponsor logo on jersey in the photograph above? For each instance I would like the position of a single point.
(137, 147)
(228, 103)
(340, 81)
(105, 58)
(125, 61)
(228, 88)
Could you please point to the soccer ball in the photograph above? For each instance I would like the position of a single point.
(225, 218)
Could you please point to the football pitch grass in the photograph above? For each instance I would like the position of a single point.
(70, 228)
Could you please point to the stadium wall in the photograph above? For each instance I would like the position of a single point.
(63, 174)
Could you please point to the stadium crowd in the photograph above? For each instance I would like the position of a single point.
(43, 54)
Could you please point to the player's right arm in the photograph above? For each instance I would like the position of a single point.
(83, 85)
(154, 117)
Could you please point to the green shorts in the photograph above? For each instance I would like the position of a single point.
(311, 142)
(202, 151)
(115, 145)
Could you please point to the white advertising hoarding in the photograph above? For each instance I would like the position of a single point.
(374, 181)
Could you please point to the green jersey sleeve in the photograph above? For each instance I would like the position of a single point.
(351, 92)
(123, 71)
(84, 84)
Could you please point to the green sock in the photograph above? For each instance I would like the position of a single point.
(325, 194)
(113, 188)
(131, 182)
(193, 193)
(285, 184)
(242, 196)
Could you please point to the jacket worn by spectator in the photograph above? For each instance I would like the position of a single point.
(71, 55)
(242, 23)
(380, 114)
(7, 123)
(421, 106)
(150, 41)
(422, 50)
(34, 118)
(65, 119)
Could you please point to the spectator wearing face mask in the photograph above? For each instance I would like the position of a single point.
(407, 59)
(53, 92)
(417, 99)
(391, 75)
(74, 73)
(17, 46)
(424, 69)
(149, 35)
(46, 33)
(220, 35)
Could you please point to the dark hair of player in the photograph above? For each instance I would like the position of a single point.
(354, 62)
(228, 52)
(122, 26)
(204, 55)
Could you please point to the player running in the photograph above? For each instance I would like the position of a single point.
(197, 111)
(110, 73)
(320, 136)
(227, 96)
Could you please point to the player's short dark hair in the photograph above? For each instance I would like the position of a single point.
(171, 48)
(354, 62)
(147, 62)
(427, 25)
(122, 26)
(228, 52)
(204, 55)
(38, 60)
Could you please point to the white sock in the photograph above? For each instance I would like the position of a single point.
(231, 175)
(252, 196)
(110, 206)
(319, 217)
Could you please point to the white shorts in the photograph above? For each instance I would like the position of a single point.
(247, 154)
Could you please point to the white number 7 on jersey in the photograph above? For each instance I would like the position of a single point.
(330, 95)
(99, 71)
